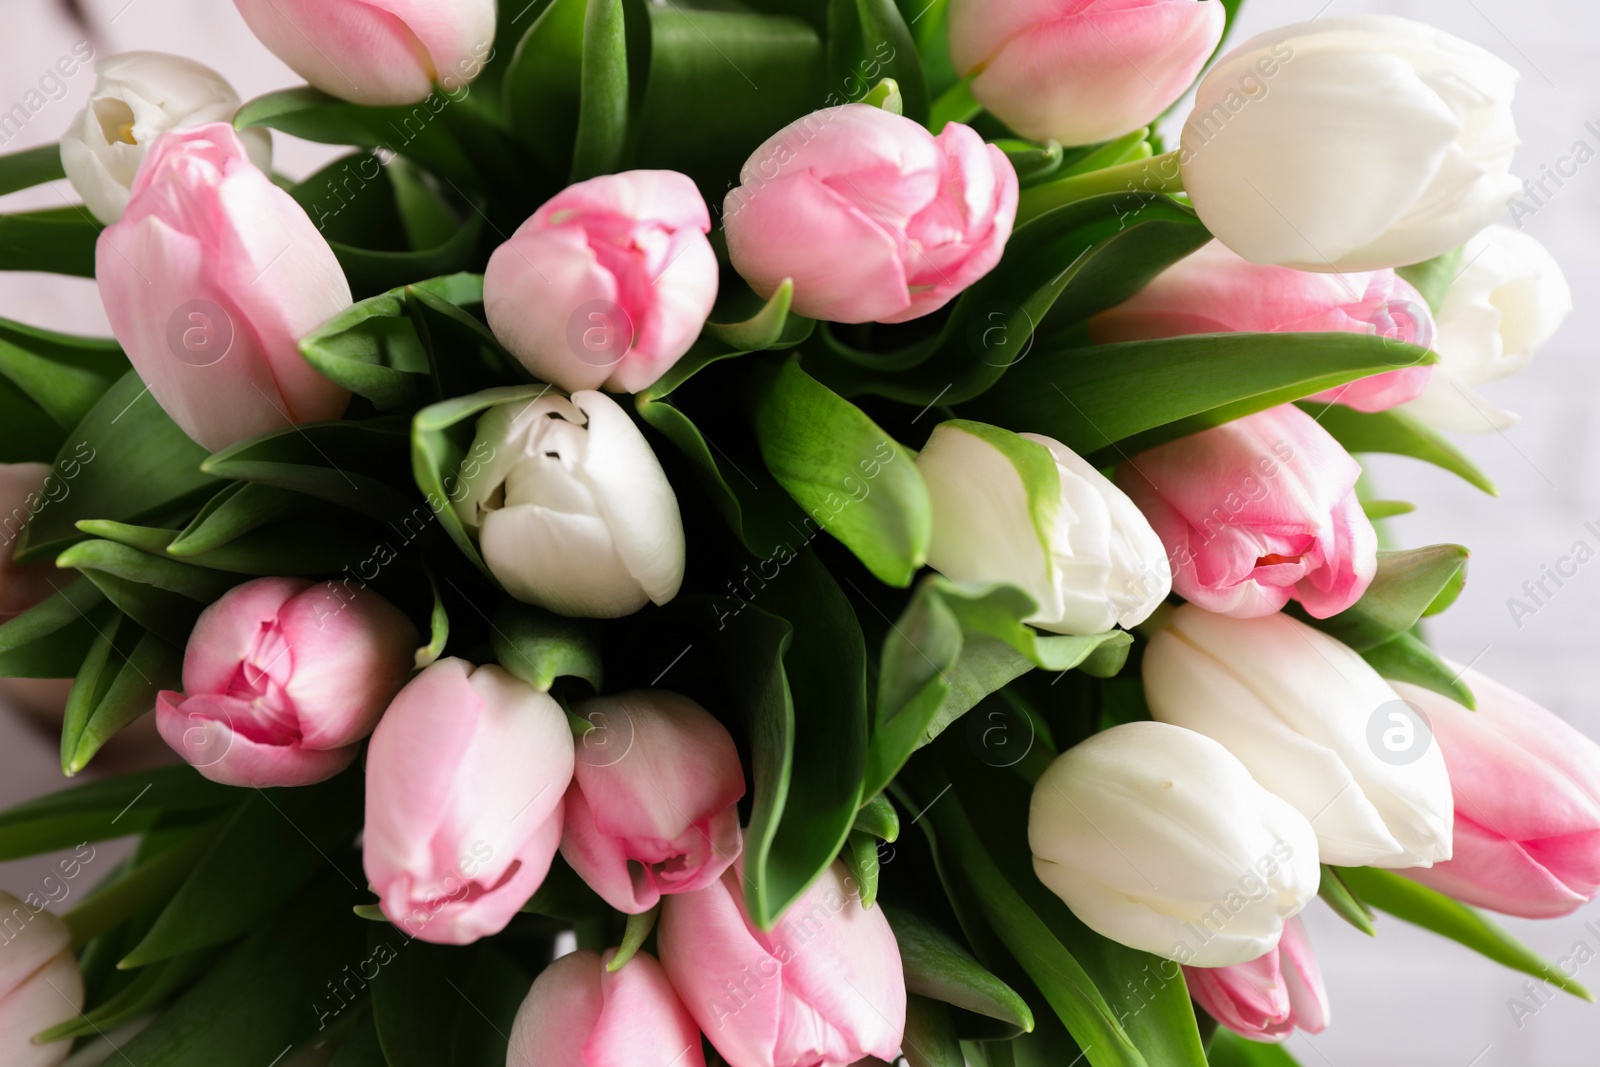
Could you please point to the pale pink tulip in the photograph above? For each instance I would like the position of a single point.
(210, 279)
(874, 218)
(1215, 290)
(580, 1015)
(652, 806)
(465, 775)
(377, 51)
(283, 678)
(822, 989)
(1081, 71)
(1256, 512)
(608, 284)
(1527, 796)
(1267, 998)
(40, 985)
(25, 490)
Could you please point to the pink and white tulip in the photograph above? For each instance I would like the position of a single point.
(608, 284)
(823, 989)
(578, 1014)
(283, 678)
(1267, 998)
(40, 984)
(652, 808)
(1256, 512)
(1218, 291)
(465, 776)
(210, 280)
(25, 490)
(874, 218)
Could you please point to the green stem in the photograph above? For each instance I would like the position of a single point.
(955, 104)
(633, 938)
(1159, 174)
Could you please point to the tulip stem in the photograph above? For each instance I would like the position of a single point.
(1158, 174)
(633, 938)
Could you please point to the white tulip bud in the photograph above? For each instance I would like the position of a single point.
(1314, 723)
(1373, 142)
(571, 507)
(1159, 839)
(1025, 510)
(40, 985)
(1508, 300)
(137, 97)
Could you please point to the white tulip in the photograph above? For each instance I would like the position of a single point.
(1376, 142)
(40, 984)
(1306, 714)
(1025, 510)
(1509, 298)
(1159, 839)
(137, 97)
(571, 507)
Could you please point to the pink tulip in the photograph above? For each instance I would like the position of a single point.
(377, 51)
(1217, 291)
(25, 490)
(210, 279)
(1527, 798)
(823, 989)
(40, 984)
(1256, 511)
(608, 284)
(1081, 71)
(579, 1015)
(283, 679)
(874, 218)
(652, 806)
(464, 782)
(1267, 998)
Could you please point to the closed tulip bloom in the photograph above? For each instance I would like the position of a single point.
(1507, 302)
(578, 1014)
(40, 984)
(465, 776)
(1257, 512)
(377, 51)
(1026, 510)
(608, 284)
(572, 511)
(1158, 839)
(25, 490)
(282, 679)
(1374, 142)
(1081, 71)
(652, 807)
(1296, 707)
(823, 989)
(1217, 291)
(1266, 999)
(137, 97)
(1527, 797)
(210, 280)
(874, 218)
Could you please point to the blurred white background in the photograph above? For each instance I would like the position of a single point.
(1407, 999)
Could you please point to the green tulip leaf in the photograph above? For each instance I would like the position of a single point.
(63, 374)
(1228, 1049)
(1405, 658)
(544, 83)
(860, 857)
(868, 40)
(1345, 904)
(1433, 277)
(1399, 434)
(108, 807)
(938, 968)
(602, 134)
(30, 167)
(121, 675)
(57, 240)
(161, 594)
(1405, 588)
(878, 818)
(356, 465)
(443, 1005)
(539, 646)
(930, 1036)
(50, 639)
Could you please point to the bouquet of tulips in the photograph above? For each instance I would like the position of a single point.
(774, 533)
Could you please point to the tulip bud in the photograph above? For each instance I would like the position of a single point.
(1081, 71)
(1216, 291)
(1527, 798)
(823, 988)
(40, 984)
(652, 808)
(465, 775)
(1266, 999)
(210, 280)
(1258, 511)
(572, 510)
(1351, 143)
(379, 52)
(1307, 715)
(23, 494)
(874, 218)
(1508, 300)
(578, 1014)
(1158, 839)
(1028, 511)
(608, 284)
(283, 678)
(137, 97)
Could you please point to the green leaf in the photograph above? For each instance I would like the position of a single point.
(1405, 658)
(59, 241)
(148, 990)
(445, 1006)
(438, 628)
(118, 683)
(1433, 277)
(1344, 903)
(1406, 586)
(869, 40)
(860, 857)
(930, 1035)
(544, 84)
(939, 969)
(603, 101)
(235, 511)
(539, 646)
(1399, 434)
(1228, 1049)
(771, 327)
(50, 639)
(878, 818)
(356, 465)
(1421, 906)
(1386, 509)
(108, 807)
(30, 167)
(144, 881)
(64, 375)
(163, 595)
